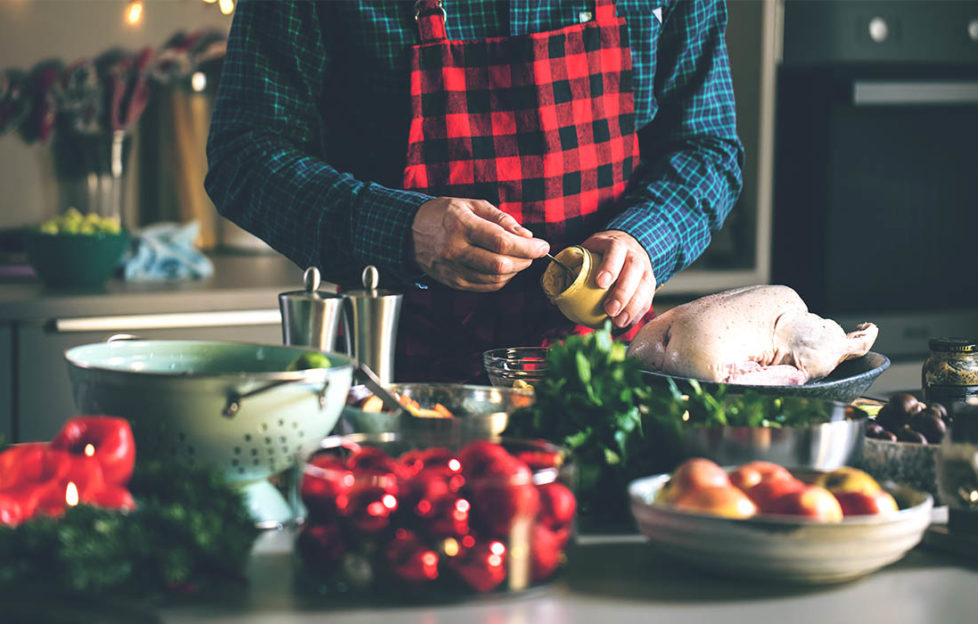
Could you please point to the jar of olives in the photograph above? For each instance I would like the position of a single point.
(950, 373)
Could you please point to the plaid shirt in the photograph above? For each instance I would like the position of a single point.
(309, 130)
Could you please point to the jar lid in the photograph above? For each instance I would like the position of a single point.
(953, 345)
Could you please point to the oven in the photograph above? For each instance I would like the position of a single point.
(876, 166)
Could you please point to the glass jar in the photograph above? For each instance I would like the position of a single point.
(415, 516)
(957, 468)
(950, 373)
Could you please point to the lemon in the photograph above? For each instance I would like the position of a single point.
(311, 359)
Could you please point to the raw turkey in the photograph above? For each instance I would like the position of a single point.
(756, 335)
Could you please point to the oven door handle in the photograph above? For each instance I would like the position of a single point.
(914, 92)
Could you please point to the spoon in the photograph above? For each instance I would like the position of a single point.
(569, 270)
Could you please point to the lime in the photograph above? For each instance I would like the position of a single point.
(311, 359)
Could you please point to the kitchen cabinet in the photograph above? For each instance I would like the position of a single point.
(7, 396)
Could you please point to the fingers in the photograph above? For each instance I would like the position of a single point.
(494, 230)
(472, 245)
(631, 296)
(625, 266)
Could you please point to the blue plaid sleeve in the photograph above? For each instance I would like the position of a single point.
(266, 171)
(691, 158)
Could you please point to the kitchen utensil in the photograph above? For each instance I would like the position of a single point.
(372, 315)
(823, 446)
(311, 317)
(849, 381)
(569, 270)
(782, 549)
(176, 395)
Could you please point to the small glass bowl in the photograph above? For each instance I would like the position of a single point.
(399, 516)
(515, 367)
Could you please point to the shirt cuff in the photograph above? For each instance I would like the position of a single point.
(658, 237)
(382, 230)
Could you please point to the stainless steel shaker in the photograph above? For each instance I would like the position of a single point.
(371, 320)
(311, 317)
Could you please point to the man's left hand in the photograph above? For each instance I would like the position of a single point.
(625, 267)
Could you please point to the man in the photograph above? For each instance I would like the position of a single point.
(453, 144)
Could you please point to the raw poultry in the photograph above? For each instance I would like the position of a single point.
(757, 335)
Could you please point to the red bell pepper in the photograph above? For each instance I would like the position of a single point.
(11, 512)
(106, 438)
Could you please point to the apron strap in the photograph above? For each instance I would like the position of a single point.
(604, 10)
(430, 15)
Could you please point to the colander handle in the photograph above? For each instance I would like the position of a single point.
(233, 405)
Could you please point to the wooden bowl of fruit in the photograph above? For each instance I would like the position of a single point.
(761, 520)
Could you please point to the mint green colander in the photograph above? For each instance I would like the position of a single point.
(229, 405)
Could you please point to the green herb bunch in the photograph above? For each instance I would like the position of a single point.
(673, 410)
(190, 529)
(589, 401)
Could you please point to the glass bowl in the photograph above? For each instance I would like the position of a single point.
(396, 516)
(515, 367)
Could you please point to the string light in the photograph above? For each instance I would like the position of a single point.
(71, 494)
(134, 12)
(226, 6)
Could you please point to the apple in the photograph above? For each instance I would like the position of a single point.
(724, 500)
(694, 474)
(766, 492)
(752, 473)
(811, 501)
(863, 504)
(848, 479)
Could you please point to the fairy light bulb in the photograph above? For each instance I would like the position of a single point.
(89, 450)
(71, 494)
(226, 6)
(134, 12)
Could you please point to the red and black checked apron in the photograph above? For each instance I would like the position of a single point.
(543, 127)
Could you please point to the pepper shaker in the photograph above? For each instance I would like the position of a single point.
(372, 316)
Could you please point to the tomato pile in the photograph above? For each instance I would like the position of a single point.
(461, 521)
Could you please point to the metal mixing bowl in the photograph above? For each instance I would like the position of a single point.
(823, 446)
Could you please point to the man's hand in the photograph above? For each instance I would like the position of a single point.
(469, 244)
(625, 264)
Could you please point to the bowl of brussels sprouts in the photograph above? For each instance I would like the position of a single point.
(76, 251)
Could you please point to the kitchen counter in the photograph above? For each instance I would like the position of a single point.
(619, 579)
(239, 282)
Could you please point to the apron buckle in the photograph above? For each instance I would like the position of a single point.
(419, 11)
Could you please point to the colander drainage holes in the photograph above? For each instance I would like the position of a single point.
(235, 462)
(247, 437)
(268, 440)
(237, 450)
(281, 422)
(254, 452)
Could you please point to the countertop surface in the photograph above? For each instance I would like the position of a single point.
(239, 282)
(620, 579)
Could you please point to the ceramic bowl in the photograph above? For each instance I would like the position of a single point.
(779, 548)
(234, 406)
(849, 381)
(395, 515)
(78, 261)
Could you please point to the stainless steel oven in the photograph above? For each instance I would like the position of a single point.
(876, 166)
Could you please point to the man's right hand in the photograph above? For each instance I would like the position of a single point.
(469, 244)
